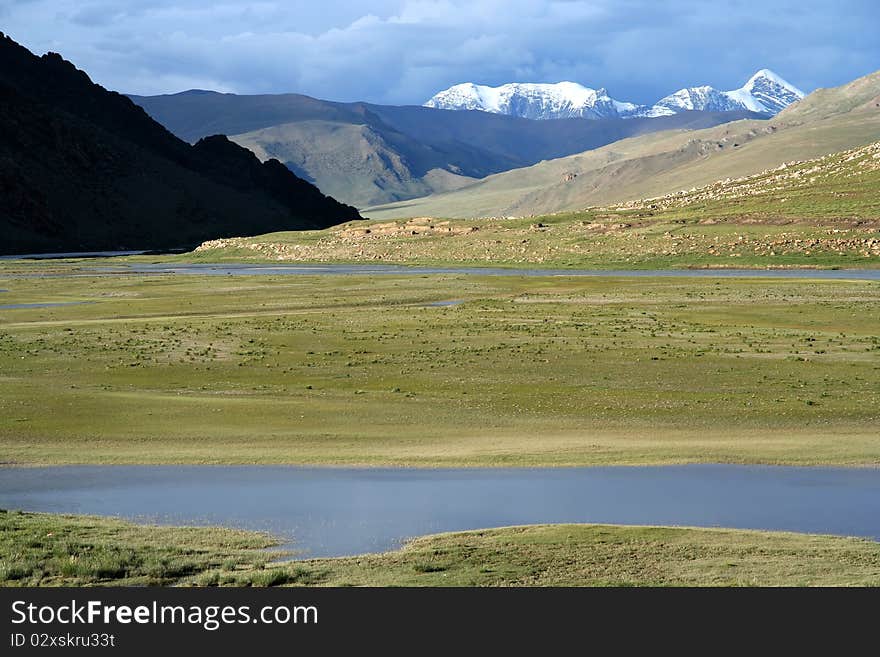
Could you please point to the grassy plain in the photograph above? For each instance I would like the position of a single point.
(52, 550)
(361, 370)
(40, 549)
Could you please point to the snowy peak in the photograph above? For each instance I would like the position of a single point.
(562, 100)
(766, 77)
(467, 96)
(703, 98)
(765, 92)
(771, 91)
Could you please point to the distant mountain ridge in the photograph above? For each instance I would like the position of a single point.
(85, 169)
(563, 100)
(650, 165)
(367, 154)
(764, 93)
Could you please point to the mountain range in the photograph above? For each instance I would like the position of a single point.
(764, 93)
(826, 121)
(85, 169)
(366, 154)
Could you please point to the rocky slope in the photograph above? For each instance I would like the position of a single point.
(812, 213)
(83, 169)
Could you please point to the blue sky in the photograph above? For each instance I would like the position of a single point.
(402, 51)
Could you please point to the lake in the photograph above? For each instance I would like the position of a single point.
(344, 511)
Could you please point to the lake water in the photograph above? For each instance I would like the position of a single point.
(343, 511)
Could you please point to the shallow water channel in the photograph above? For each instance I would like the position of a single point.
(86, 269)
(314, 270)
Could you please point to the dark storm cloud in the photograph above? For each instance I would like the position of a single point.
(402, 51)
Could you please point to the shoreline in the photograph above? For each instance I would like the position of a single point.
(80, 550)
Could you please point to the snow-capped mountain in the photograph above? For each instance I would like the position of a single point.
(703, 98)
(765, 92)
(563, 100)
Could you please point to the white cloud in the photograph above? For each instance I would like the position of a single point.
(402, 51)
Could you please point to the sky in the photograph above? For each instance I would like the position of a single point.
(404, 51)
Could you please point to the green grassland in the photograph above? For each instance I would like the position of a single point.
(360, 370)
(596, 555)
(53, 550)
(823, 212)
(39, 549)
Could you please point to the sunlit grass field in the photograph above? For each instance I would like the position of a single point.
(353, 369)
(53, 550)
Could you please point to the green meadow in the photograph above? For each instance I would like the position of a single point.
(54, 550)
(360, 370)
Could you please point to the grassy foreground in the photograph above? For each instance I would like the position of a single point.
(53, 550)
(40, 549)
(362, 370)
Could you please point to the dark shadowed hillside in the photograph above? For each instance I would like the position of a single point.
(83, 168)
(369, 154)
